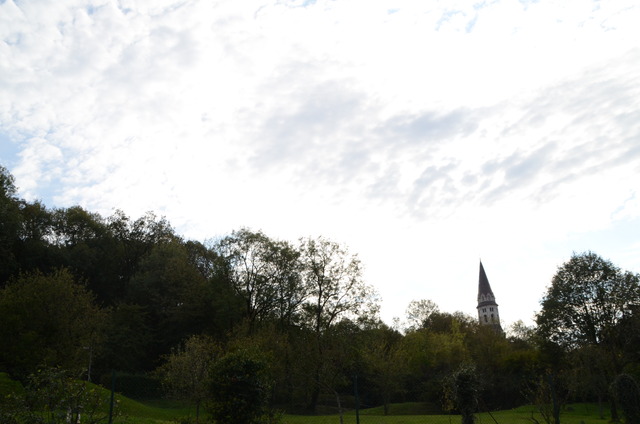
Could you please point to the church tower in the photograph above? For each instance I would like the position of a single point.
(487, 306)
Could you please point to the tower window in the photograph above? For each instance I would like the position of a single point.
(491, 309)
(486, 319)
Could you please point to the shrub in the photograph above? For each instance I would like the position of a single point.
(463, 389)
(240, 387)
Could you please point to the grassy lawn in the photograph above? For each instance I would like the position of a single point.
(574, 414)
(587, 414)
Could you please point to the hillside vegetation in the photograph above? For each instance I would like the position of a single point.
(89, 295)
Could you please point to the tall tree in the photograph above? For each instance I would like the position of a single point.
(583, 308)
(133, 240)
(333, 278)
(264, 273)
(418, 313)
(588, 298)
(36, 250)
(74, 226)
(173, 294)
(85, 244)
(382, 355)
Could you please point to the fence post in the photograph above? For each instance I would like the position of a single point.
(113, 389)
(355, 389)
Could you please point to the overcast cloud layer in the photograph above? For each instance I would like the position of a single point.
(423, 135)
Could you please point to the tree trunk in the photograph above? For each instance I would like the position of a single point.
(600, 406)
(315, 393)
(614, 411)
(554, 400)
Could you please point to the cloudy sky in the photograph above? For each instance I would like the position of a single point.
(424, 135)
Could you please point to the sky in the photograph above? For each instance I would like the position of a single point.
(422, 135)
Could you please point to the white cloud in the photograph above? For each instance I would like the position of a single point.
(422, 134)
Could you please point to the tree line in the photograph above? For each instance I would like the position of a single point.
(93, 294)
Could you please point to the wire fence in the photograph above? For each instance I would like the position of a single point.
(359, 406)
(360, 403)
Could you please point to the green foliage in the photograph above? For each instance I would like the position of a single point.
(47, 319)
(588, 297)
(264, 273)
(173, 295)
(333, 278)
(336, 294)
(381, 356)
(627, 394)
(35, 250)
(127, 339)
(464, 388)
(433, 353)
(53, 396)
(240, 387)
(418, 313)
(584, 314)
(129, 241)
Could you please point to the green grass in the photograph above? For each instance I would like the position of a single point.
(406, 408)
(572, 414)
(152, 412)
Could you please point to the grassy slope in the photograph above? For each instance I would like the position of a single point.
(152, 413)
(131, 411)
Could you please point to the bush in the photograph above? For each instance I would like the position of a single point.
(462, 391)
(54, 396)
(240, 388)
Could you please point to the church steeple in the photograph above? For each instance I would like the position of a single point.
(487, 306)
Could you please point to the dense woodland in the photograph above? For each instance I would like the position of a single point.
(93, 294)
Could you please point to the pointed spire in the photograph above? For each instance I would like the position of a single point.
(485, 294)
(483, 282)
